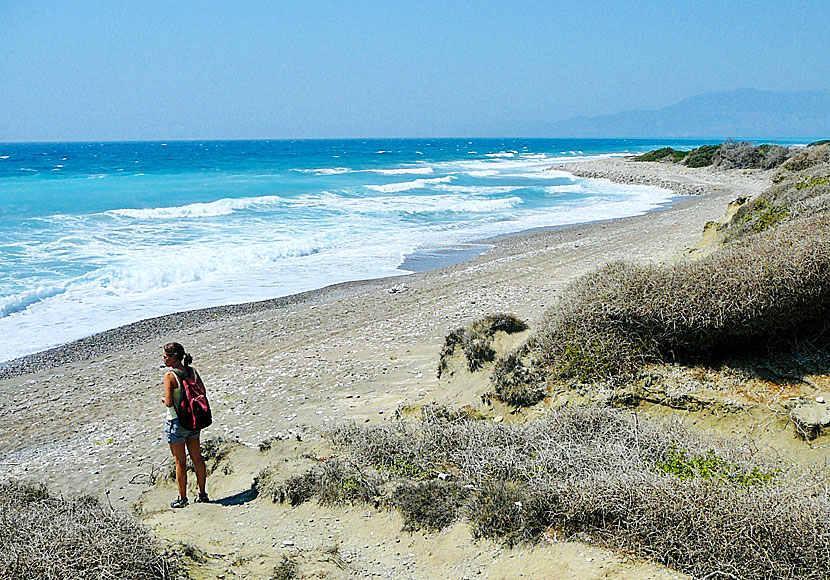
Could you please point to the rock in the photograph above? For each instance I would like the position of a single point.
(811, 418)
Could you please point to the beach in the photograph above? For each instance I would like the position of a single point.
(86, 417)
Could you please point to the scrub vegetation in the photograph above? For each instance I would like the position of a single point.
(476, 341)
(766, 290)
(699, 504)
(46, 536)
(729, 155)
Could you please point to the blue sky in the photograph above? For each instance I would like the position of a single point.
(230, 70)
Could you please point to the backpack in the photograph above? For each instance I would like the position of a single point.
(193, 411)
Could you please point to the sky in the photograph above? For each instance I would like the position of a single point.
(118, 70)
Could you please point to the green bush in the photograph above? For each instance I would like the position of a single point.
(663, 154)
(702, 156)
(710, 465)
(763, 215)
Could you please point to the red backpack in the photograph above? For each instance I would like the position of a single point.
(193, 411)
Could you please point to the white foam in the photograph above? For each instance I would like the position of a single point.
(419, 170)
(501, 154)
(325, 170)
(216, 208)
(474, 190)
(19, 302)
(409, 185)
(4, 156)
(452, 203)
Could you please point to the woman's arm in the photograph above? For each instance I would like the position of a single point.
(169, 385)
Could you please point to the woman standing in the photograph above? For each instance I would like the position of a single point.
(179, 438)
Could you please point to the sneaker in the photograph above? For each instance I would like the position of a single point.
(203, 498)
(179, 503)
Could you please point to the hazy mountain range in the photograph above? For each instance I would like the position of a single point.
(743, 113)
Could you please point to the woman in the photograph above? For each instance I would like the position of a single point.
(179, 363)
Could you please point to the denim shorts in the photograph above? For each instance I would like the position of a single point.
(173, 433)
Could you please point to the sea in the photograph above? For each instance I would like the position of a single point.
(97, 235)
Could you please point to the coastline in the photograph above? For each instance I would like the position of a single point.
(298, 357)
(287, 367)
(683, 181)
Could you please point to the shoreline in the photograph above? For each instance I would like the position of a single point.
(417, 262)
(86, 417)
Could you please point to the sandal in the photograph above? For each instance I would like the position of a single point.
(179, 503)
(203, 498)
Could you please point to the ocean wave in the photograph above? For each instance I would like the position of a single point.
(465, 205)
(596, 186)
(22, 301)
(445, 203)
(482, 173)
(220, 207)
(408, 185)
(478, 189)
(325, 170)
(501, 154)
(419, 170)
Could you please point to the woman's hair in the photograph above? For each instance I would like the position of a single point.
(176, 350)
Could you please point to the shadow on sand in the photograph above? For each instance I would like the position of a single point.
(238, 498)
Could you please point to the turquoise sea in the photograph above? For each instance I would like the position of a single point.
(95, 235)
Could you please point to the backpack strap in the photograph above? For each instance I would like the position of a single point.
(180, 376)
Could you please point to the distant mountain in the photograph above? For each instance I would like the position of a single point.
(743, 113)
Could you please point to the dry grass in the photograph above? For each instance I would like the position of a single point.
(48, 537)
(601, 474)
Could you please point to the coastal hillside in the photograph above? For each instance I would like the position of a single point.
(635, 398)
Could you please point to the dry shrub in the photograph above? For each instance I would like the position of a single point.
(43, 536)
(801, 189)
(743, 155)
(332, 482)
(288, 569)
(704, 527)
(597, 472)
(476, 341)
(429, 505)
(769, 289)
(508, 512)
(517, 382)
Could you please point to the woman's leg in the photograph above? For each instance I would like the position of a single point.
(177, 449)
(195, 451)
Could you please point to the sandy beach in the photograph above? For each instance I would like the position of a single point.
(86, 417)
